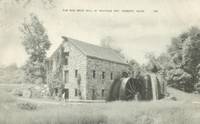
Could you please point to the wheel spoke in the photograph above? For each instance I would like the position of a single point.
(130, 91)
(130, 86)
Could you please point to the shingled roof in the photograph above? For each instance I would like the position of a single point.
(97, 51)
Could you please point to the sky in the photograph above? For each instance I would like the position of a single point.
(136, 33)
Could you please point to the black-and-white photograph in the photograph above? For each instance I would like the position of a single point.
(99, 62)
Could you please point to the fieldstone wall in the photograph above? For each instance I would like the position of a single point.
(97, 84)
(88, 87)
(76, 61)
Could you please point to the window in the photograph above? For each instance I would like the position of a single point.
(103, 75)
(66, 76)
(93, 91)
(76, 73)
(94, 74)
(67, 54)
(111, 76)
(66, 61)
(102, 92)
(79, 93)
(76, 92)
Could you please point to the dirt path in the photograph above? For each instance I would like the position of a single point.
(183, 96)
(53, 102)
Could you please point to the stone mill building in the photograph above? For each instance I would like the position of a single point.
(86, 70)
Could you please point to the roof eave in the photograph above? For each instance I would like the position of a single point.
(93, 57)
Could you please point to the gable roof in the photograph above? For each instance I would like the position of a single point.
(97, 51)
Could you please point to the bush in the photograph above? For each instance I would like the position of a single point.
(180, 79)
(27, 106)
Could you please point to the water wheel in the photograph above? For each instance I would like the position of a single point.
(140, 89)
(125, 89)
(130, 90)
(114, 90)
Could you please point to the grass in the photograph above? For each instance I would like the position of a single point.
(161, 112)
(109, 113)
(9, 87)
(6, 98)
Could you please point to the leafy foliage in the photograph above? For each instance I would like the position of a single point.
(180, 63)
(26, 3)
(36, 43)
(153, 65)
(180, 79)
(183, 58)
(109, 42)
(191, 53)
(135, 69)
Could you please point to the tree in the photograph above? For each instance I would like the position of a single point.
(153, 65)
(191, 53)
(45, 3)
(175, 50)
(36, 43)
(106, 41)
(184, 52)
(135, 68)
(165, 61)
(109, 42)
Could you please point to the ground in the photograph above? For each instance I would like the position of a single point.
(183, 111)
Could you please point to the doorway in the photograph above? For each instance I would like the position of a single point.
(66, 93)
